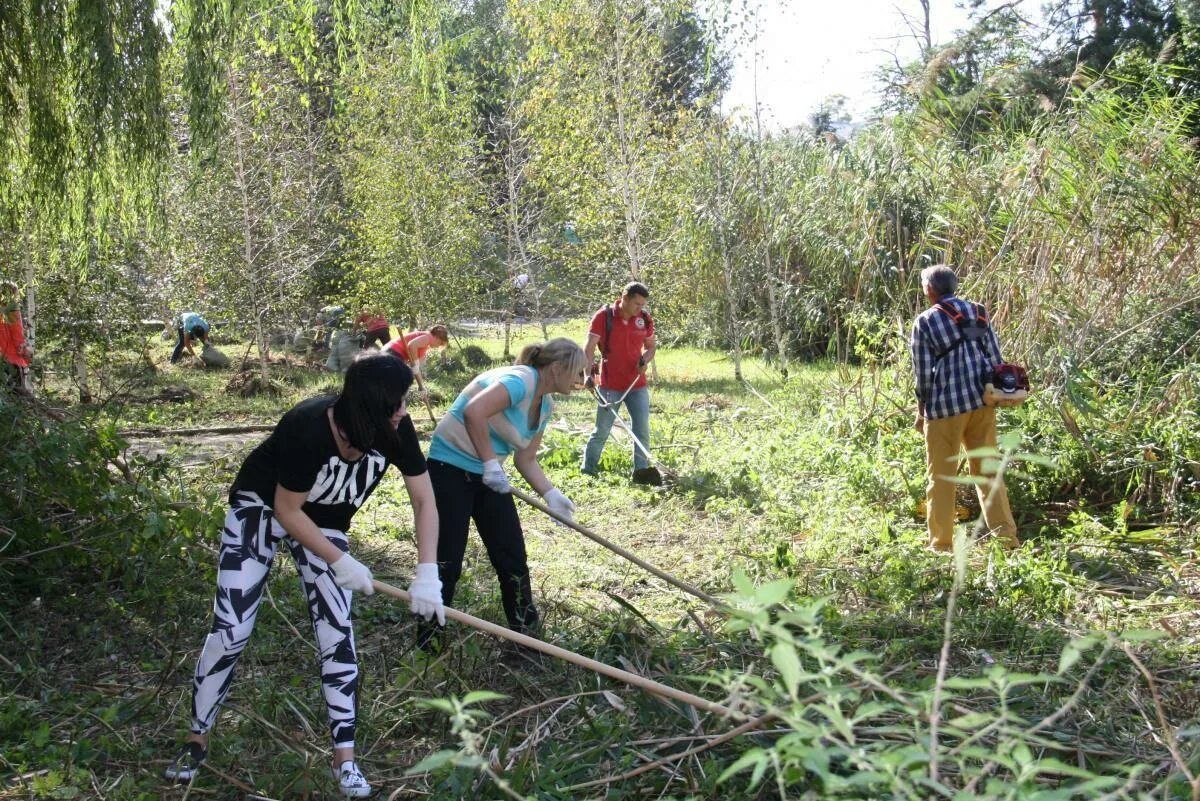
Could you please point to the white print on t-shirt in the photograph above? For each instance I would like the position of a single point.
(641, 322)
(342, 482)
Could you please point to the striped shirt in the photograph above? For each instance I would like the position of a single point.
(952, 384)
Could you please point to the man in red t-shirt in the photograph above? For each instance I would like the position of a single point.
(625, 333)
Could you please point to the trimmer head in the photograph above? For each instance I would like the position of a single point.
(648, 475)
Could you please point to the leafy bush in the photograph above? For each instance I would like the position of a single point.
(72, 505)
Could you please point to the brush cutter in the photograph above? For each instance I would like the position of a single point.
(641, 682)
(651, 474)
(617, 549)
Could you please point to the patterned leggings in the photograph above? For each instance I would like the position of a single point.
(248, 543)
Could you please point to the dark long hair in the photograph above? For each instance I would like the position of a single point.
(375, 386)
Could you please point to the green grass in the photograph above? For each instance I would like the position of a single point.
(815, 481)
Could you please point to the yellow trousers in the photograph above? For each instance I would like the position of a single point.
(944, 440)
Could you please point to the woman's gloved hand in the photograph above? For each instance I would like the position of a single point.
(494, 477)
(352, 574)
(560, 504)
(426, 593)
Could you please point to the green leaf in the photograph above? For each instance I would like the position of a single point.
(1074, 650)
(755, 756)
(479, 696)
(784, 657)
(773, 592)
(432, 762)
(1142, 635)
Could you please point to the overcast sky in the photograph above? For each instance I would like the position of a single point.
(810, 49)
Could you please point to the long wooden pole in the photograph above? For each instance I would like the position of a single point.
(429, 407)
(641, 682)
(617, 549)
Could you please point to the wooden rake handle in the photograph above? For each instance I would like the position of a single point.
(641, 682)
(617, 549)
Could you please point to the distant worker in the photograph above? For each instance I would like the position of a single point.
(15, 351)
(414, 346)
(329, 318)
(625, 333)
(952, 347)
(189, 328)
(374, 329)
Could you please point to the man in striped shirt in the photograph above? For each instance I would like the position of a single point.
(952, 348)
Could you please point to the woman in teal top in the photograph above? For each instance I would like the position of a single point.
(501, 412)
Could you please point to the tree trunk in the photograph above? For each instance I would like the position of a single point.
(727, 275)
(30, 291)
(256, 293)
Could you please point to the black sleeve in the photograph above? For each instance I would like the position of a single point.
(409, 459)
(298, 461)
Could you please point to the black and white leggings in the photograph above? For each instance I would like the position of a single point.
(248, 543)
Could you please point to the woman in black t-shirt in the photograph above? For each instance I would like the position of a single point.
(301, 487)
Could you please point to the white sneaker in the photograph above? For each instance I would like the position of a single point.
(187, 764)
(351, 781)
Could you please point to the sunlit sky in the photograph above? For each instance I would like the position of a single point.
(810, 49)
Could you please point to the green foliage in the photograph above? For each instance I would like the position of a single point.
(73, 509)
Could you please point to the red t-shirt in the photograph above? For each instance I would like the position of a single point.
(399, 346)
(627, 341)
(370, 322)
(12, 337)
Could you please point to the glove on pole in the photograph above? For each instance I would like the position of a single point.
(640, 682)
(617, 549)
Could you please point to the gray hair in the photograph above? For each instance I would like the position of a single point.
(940, 278)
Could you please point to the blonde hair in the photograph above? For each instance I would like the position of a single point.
(557, 351)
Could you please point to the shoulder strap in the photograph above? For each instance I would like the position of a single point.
(960, 323)
(608, 325)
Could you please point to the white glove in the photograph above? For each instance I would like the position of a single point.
(494, 477)
(426, 593)
(352, 574)
(560, 504)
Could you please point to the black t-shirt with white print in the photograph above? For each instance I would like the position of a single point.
(301, 455)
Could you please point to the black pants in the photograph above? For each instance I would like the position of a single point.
(462, 497)
(377, 335)
(178, 345)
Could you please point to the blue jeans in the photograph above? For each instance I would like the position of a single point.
(638, 404)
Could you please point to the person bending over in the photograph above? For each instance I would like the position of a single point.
(502, 411)
(300, 488)
(414, 346)
(189, 328)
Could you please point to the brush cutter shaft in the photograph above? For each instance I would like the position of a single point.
(607, 404)
(625, 427)
(617, 549)
(641, 682)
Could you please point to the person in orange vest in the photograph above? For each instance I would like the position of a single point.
(15, 352)
(414, 346)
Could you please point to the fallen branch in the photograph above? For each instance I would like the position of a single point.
(196, 432)
(617, 549)
(641, 682)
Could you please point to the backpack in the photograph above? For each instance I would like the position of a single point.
(1004, 384)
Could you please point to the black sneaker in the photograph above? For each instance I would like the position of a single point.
(188, 763)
